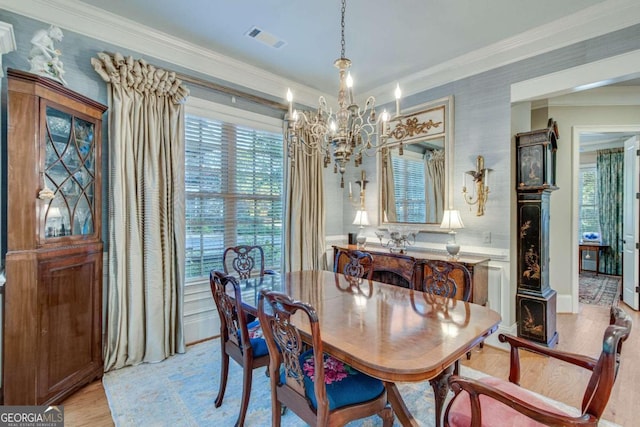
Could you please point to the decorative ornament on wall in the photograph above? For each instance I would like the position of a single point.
(44, 58)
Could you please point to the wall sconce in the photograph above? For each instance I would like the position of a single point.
(481, 188)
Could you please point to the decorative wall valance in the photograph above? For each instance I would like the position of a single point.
(140, 76)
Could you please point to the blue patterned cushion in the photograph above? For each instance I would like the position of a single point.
(258, 343)
(345, 385)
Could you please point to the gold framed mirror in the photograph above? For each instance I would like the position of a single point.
(415, 170)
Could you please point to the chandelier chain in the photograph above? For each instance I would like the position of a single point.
(342, 43)
(342, 135)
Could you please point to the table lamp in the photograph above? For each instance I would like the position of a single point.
(451, 220)
(361, 219)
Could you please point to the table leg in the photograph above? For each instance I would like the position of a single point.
(399, 407)
(579, 260)
(440, 386)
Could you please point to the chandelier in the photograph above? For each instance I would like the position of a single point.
(350, 131)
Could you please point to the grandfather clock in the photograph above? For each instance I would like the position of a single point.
(535, 180)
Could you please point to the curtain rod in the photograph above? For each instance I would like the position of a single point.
(223, 89)
(233, 92)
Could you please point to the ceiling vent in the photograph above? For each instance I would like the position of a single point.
(265, 37)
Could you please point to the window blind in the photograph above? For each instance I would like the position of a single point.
(233, 185)
(588, 200)
(410, 198)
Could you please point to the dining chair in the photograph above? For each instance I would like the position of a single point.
(241, 341)
(353, 263)
(320, 389)
(495, 402)
(244, 261)
(448, 279)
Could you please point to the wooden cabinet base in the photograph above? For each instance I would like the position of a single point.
(53, 324)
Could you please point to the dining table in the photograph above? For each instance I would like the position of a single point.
(389, 332)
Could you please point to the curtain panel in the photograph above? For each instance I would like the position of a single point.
(610, 185)
(304, 236)
(434, 168)
(146, 211)
(388, 202)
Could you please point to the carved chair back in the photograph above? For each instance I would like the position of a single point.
(233, 325)
(446, 278)
(244, 260)
(353, 263)
(292, 363)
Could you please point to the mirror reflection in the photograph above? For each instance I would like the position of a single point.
(413, 174)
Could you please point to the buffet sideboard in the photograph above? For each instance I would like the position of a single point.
(408, 269)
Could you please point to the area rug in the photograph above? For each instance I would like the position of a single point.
(599, 290)
(180, 391)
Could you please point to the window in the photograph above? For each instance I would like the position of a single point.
(588, 200)
(411, 200)
(233, 183)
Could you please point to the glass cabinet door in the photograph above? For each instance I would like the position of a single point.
(69, 171)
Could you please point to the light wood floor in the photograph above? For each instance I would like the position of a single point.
(581, 333)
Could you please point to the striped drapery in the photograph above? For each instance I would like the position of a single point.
(146, 211)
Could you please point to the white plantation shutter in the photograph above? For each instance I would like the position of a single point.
(588, 199)
(410, 198)
(234, 182)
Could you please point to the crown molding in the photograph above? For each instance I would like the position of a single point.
(99, 24)
(73, 15)
(594, 21)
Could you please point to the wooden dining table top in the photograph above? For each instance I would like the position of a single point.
(389, 332)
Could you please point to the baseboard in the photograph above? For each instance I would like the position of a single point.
(564, 304)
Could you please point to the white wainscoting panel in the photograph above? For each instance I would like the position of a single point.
(201, 319)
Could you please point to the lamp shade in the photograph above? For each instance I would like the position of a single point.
(451, 220)
(361, 218)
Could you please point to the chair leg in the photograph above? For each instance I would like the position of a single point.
(224, 373)
(246, 393)
(387, 416)
(277, 410)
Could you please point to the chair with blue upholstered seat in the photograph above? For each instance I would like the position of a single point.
(241, 340)
(318, 388)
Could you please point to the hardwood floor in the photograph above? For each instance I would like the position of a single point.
(581, 333)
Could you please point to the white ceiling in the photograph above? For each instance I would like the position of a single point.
(387, 41)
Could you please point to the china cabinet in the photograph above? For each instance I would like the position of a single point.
(53, 305)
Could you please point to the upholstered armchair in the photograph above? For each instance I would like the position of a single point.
(495, 402)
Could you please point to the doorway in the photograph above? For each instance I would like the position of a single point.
(597, 74)
(589, 138)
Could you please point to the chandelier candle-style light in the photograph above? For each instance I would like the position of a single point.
(351, 130)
